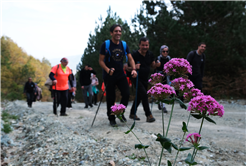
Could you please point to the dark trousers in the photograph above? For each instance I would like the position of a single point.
(60, 97)
(141, 96)
(69, 102)
(123, 86)
(197, 81)
(30, 97)
(94, 98)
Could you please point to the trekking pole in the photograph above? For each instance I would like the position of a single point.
(56, 100)
(98, 107)
(136, 96)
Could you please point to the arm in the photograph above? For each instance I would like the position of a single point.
(103, 65)
(132, 63)
(70, 80)
(51, 75)
(203, 66)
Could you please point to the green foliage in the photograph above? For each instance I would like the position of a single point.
(189, 160)
(141, 146)
(220, 24)
(130, 128)
(6, 128)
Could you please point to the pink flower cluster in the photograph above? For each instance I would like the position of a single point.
(156, 78)
(192, 93)
(193, 138)
(117, 109)
(160, 91)
(178, 67)
(182, 84)
(206, 105)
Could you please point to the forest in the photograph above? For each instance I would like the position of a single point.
(220, 24)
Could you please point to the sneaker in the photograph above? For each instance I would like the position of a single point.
(164, 110)
(150, 118)
(95, 104)
(63, 114)
(86, 106)
(123, 120)
(91, 105)
(113, 123)
(134, 117)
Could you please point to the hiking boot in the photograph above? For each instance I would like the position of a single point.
(134, 117)
(86, 106)
(150, 118)
(164, 110)
(91, 105)
(123, 120)
(113, 123)
(63, 114)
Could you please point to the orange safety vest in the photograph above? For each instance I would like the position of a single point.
(62, 78)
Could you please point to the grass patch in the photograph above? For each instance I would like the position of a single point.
(6, 128)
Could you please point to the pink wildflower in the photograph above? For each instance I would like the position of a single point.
(160, 91)
(182, 85)
(206, 105)
(192, 93)
(117, 109)
(178, 67)
(156, 78)
(193, 138)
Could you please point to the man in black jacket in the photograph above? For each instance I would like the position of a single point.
(85, 82)
(29, 91)
(197, 59)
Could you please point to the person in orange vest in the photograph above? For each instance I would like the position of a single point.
(60, 74)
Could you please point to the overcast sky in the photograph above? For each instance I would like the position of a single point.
(56, 29)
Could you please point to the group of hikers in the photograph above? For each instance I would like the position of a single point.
(138, 66)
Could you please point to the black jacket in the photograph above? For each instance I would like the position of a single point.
(85, 77)
(29, 87)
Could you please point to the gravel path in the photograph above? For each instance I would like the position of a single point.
(41, 138)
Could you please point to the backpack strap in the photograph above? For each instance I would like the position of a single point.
(124, 46)
(107, 44)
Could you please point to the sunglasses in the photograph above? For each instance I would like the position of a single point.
(165, 51)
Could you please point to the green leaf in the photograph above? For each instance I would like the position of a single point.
(184, 128)
(184, 148)
(202, 147)
(197, 116)
(210, 120)
(165, 142)
(141, 146)
(189, 160)
(168, 101)
(130, 128)
(182, 105)
(175, 146)
(169, 163)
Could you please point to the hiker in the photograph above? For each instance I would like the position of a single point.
(196, 58)
(60, 74)
(162, 59)
(144, 59)
(94, 83)
(29, 91)
(71, 91)
(85, 82)
(111, 57)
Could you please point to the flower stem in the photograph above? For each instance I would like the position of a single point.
(169, 119)
(161, 156)
(140, 143)
(163, 132)
(194, 153)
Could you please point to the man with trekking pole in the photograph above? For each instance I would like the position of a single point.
(111, 57)
(60, 74)
(144, 59)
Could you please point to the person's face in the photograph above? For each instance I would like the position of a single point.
(144, 46)
(29, 79)
(202, 48)
(165, 52)
(64, 63)
(116, 34)
(86, 67)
